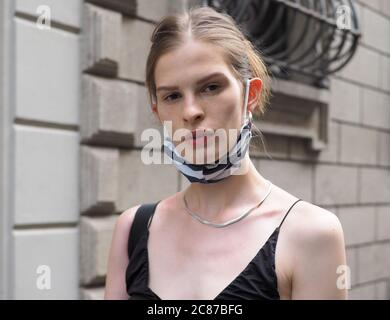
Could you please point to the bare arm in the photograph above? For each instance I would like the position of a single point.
(118, 257)
(321, 250)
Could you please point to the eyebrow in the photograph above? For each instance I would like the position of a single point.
(215, 74)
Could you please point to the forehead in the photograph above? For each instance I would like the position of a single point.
(189, 62)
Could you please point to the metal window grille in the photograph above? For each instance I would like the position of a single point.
(298, 38)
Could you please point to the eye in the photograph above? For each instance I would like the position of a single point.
(212, 86)
(169, 97)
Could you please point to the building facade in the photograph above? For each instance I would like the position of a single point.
(73, 106)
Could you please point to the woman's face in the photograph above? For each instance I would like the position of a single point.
(197, 91)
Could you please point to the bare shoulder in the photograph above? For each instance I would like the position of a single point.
(125, 219)
(316, 225)
(317, 241)
(307, 221)
(311, 230)
(118, 256)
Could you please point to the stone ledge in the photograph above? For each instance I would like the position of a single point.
(101, 41)
(67, 13)
(92, 293)
(141, 183)
(108, 112)
(46, 175)
(153, 10)
(47, 74)
(54, 252)
(299, 111)
(99, 174)
(300, 90)
(126, 7)
(95, 239)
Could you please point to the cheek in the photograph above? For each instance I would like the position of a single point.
(231, 105)
(229, 112)
(166, 114)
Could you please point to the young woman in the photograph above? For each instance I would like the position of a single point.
(226, 235)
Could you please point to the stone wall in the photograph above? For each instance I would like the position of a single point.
(75, 108)
(43, 137)
(351, 177)
(360, 117)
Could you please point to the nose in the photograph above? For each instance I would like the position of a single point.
(192, 111)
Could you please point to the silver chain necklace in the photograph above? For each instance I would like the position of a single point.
(229, 222)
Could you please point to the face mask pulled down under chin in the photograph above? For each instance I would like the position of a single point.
(222, 168)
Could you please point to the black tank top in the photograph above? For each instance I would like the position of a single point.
(257, 281)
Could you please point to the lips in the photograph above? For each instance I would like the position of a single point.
(198, 134)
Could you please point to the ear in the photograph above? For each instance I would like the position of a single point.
(255, 88)
(155, 111)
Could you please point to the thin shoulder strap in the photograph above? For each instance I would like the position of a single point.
(141, 222)
(288, 212)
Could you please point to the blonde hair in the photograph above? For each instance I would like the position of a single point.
(207, 25)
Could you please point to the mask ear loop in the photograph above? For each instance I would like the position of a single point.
(246, 101)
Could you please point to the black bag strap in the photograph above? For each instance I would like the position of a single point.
(140, 224)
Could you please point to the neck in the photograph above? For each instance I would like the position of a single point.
(224, 200)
